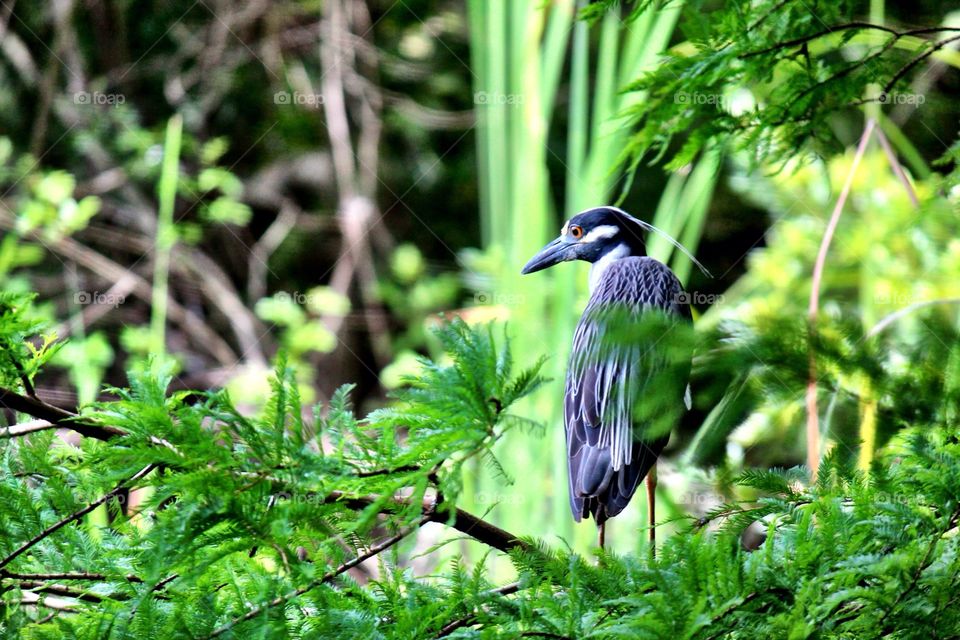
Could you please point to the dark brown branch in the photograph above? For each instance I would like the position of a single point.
(887, 627)
(346, 566)
(26, 546)
(60, 417)
(408, 468)
(787, 44)
(24, 378)
(39, 586)
(98, 577)
(905, 69)
(471, 619)
(464, 522)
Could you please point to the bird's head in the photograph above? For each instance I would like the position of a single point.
(596, 233)
(589, 236)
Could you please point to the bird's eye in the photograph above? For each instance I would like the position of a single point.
(576, 232)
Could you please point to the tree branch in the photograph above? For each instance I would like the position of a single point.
(23, 428)
(346, 566)
(60, 417)
(98, 577)
(464, 522)
(468, 620)
(26, 546)
(787, 44)
(905, 69)
(39, 586)
(813, 419)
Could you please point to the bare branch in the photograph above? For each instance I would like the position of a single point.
(464, 522)
(24, 428)
(55, 415)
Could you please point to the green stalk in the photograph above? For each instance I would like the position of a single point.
(480, 62)
(166, 234)
(874, 109)
(520, 48)
(903, 144)
(554, 51)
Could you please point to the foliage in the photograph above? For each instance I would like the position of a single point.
(771, 75)
(263, 502)
(889, 297)
(253, 524)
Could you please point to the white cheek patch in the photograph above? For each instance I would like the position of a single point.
(563, 231)
(602, 232)
(598, 268)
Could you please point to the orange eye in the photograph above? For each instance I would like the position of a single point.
(576, 232)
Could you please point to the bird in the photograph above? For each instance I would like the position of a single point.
(616, 368)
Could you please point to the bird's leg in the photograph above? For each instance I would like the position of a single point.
(651, 507)
(602, 535)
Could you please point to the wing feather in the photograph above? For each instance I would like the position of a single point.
(607, 454)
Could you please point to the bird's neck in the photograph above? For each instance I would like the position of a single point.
(599, 267)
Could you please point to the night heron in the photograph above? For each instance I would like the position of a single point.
(621, 379)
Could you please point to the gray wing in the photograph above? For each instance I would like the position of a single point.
(607, 378)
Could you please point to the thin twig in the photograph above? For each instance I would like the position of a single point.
(64, 576)
(24, 378)
(905, 69)
(408, 468)
(890, 318)
(787, 44)
(466, 621)
(346, 566)
(897, 168)
(29, 544)
(924, 564)
(813, 421)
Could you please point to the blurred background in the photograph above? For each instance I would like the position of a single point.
(221, 181)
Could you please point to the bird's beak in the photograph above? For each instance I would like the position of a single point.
(556, 251)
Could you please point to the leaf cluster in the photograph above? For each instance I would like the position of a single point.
(221, 524)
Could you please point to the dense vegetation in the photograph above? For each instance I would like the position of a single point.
(253, 522)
